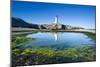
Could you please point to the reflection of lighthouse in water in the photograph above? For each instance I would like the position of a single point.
(55, 36)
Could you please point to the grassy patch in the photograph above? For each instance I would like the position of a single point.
(34, 56)
(48, 55)
(90, 35)
(70, 53)
(18, 40)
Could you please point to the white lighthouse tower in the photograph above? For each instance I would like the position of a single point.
(56, 20)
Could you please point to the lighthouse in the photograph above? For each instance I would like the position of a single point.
(55, 25)
(56, 20)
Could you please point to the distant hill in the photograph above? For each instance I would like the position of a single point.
(17, 22)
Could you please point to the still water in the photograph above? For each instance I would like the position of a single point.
(58, 40)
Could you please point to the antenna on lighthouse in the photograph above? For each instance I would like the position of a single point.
(56, 20)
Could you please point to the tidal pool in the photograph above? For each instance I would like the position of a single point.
(58, 40)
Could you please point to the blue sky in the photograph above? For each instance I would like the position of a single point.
(44, 13)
